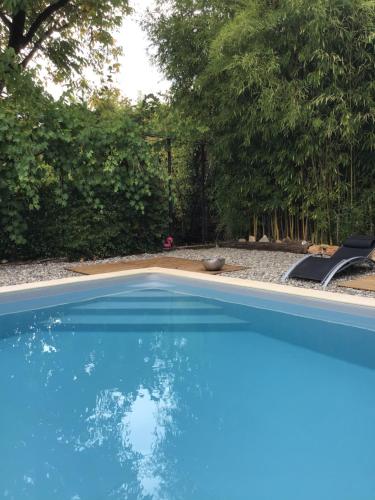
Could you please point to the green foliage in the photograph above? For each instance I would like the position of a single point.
(191, 177)
(181, 29)
(69, 34)
(271, 120)
(285, 92)
(76, 181)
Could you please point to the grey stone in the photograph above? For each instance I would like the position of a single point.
(261, 265)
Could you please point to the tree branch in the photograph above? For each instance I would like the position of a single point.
(37, 46)
(39, 43)
(5, 20)
(43, 16)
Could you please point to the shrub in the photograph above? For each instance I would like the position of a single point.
(76, 181)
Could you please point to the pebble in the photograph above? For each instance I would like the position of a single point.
(267, 266)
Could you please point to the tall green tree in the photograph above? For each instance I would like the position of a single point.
(182, 30)
(285, 90)
(68, 34)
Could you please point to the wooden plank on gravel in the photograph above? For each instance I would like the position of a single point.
(205, 246)
(292, 247)
(367, 283)
(165, 262)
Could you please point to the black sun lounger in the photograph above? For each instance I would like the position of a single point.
(355, 249)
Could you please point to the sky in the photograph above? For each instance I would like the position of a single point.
(138, 76)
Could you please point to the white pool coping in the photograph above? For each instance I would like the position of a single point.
(240, 282)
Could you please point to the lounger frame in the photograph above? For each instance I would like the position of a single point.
(345, 264)
(339, 267)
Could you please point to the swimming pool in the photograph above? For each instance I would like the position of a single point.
(156, 387)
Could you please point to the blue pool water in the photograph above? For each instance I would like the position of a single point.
(155, 394)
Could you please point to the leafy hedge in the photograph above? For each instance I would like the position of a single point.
(76, 181)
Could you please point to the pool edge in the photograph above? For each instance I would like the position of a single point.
(243, 283)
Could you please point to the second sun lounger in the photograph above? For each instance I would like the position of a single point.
(355, 249)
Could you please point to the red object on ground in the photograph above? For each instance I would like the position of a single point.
(168, 243)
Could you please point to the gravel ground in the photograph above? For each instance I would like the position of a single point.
(261, 266)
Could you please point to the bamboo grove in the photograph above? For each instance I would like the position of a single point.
(283, 92)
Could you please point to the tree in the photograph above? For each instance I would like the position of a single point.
(182, 30)
(285, 91)
(293, 87)
(69, 34)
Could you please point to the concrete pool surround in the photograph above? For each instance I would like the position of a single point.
(251, 285)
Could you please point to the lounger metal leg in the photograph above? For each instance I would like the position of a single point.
(341, 266)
